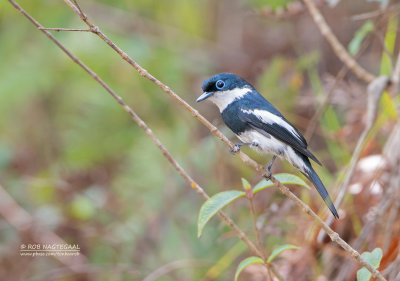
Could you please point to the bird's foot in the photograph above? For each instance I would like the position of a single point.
(254, 144)
(268, 169)
(236, 146)
(268, 177)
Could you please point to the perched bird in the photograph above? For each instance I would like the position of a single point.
(258, 124)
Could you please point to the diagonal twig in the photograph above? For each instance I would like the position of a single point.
(375, 91)
(146, 129)
(64, 29)
(395, 79)
(337, 47)
(244, 157)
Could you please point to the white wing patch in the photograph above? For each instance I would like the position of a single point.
(224, 98)
(270, 118)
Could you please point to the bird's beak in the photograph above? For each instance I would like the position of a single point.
(204, 96)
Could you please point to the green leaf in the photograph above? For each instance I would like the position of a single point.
(273, 4)
(279, 250)
(373, 258)
(246, 184)
(355, 43)
(245, 263)
(213, 205)
(283, 178)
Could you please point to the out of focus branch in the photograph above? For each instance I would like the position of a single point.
(337, 47)
(146, 129)
(325, 103)
(245, 158)
(22, 221)
(375, 91)
(64, 29)
(395, 79)
(256, 230)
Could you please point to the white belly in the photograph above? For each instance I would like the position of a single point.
(271, 145)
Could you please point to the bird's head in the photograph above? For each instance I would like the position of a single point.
(224, 88)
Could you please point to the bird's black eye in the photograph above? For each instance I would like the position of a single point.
(220, 84)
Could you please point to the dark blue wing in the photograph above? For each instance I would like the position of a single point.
(292, 138)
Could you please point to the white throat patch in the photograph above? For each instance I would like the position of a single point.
(223, 98)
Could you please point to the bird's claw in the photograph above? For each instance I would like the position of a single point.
(254, 144)
(267, 177)
(268, 169)
(236, 146)
(235, 149)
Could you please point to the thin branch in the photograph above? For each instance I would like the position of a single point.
(393, 9)
(317, 115)
(244, 157)
(394, 212)
(332, 234)
(395, 79)
(269, 274)
(144, 73)
(146, 129)
(339, 77)
(276, 272)
(250, 197)
(337, 47)
(381, 40)
(64, 29)
(376, 217)
(375, 91)
(394, 266)
(79, 8)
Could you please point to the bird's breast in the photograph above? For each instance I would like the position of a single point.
(265, 144)
(271, 145)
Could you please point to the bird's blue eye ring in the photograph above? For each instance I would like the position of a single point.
(220, 84)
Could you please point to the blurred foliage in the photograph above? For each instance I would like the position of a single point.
(73, 158)
(273, 4)
(373, 258)
(355, 43)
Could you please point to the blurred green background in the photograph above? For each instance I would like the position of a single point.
(74, 160)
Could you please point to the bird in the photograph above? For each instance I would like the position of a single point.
(258, 124)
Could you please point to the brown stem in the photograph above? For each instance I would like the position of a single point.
(337, 47)
(276, 272)
(375, 91)
(332, 234)
(395, 79)
(64, 29)
(244, 157)
(146, 129)
(256, 230)
(269, 273)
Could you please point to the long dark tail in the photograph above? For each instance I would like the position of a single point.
(312, 176)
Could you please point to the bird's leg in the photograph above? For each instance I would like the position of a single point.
(239, 144)
(268, 170)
